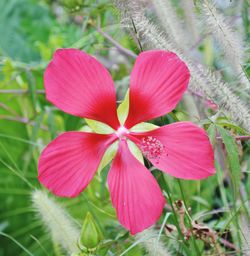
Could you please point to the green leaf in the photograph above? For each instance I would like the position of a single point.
(223, 122)
(219, 174)
(143, 127)
(51, 122)
(123, 108)
(99, 127)
(211, 133)
(233, 157)
(135, 151)
(32, 89)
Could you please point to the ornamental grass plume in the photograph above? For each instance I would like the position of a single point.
(79, 85)
(171, 23)
(62, 227)
(230, 41)
(154, 246)
(202, 79)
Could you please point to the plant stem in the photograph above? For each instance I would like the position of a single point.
(167, 190)
(189, 221)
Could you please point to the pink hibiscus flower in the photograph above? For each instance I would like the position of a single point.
(79, 85)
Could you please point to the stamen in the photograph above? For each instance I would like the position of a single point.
(152, 148)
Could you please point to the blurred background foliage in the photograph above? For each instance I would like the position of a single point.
(30, 32)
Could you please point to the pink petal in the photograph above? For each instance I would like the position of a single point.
(134, 192)
(79, 85)
(68, 163)
(181, 149)
(157, 83)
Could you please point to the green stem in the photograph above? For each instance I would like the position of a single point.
(189, 221)
(167, 190)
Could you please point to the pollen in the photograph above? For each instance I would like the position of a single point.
(152, 148)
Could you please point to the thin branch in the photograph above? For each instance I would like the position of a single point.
(7, 108)
(245, 137)
(227, 244)
(22, 120)
(20, 91)
(119, 47)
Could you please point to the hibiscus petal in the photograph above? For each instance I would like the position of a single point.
(68, 163)
(157, 83)
(181, 149)
(79, 85)
(134, 192)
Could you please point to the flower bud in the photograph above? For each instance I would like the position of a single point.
(90, 234)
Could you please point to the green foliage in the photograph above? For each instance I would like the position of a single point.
(233, 157)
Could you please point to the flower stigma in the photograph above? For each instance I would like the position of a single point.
(121, 132)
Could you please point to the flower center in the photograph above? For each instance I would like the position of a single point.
(152, 148)
(121, 132)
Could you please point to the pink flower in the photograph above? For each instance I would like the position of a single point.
(211, 104)
(79, 85)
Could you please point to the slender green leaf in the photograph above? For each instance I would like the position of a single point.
(233, 157)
